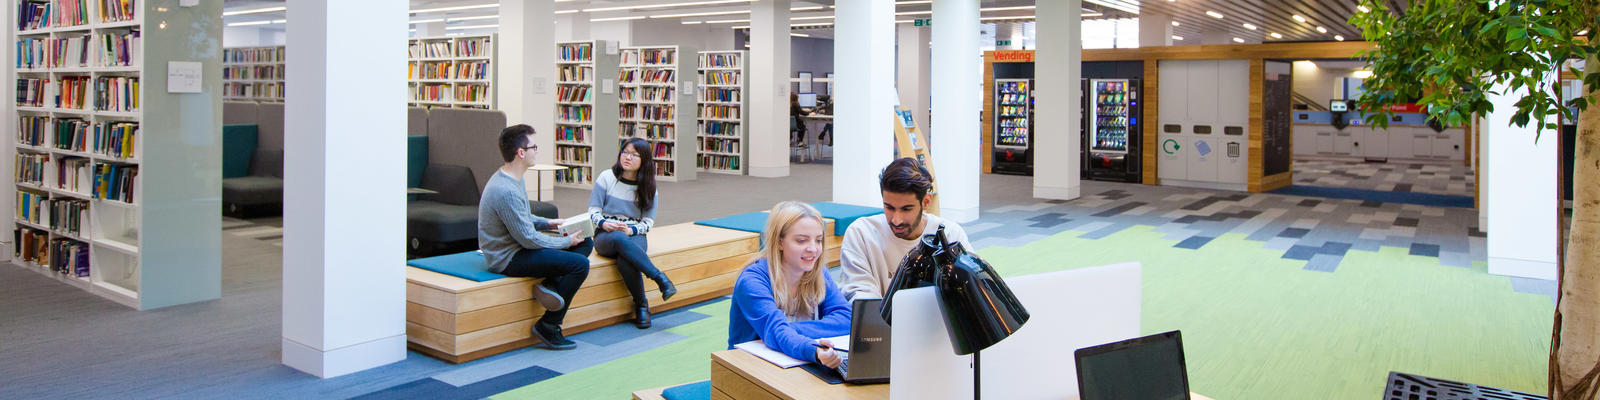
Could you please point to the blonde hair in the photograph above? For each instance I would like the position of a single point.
(801, 300)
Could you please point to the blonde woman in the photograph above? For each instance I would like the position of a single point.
(784, 296)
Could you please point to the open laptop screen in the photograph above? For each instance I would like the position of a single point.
(1150, 367)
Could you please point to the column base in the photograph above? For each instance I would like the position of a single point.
(1056, 193)
(959, 215)
(341, 361)
(1522, 268)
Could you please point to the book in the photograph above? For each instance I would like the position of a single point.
(578, 225)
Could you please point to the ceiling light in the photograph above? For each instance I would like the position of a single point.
(728, 21)
(1238, 40)
(1297, 17)
(816, 25)
(465, 27)
(649, 6)
(617, 18)
(1275, 35)
(913, 13)
(1250, 27)
(471, 18)
(1007, 18)
(1362, 8)
(279, 21)
(1214, 14)
(1338, 37)
(904, 3)
(456, 8)
(1322, 30)
(799, 35)
(1176, 37)
(255, 11)
(904, 21)
(250, 23)
(811, 18)
(1362, 74)
(1175, 23)
(701, 14)
(1583, 32)
(424, 21)
(806, 8)
(567, 12)
(1006, 8)
(693, 22)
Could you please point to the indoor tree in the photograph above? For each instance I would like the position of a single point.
(1447, 56)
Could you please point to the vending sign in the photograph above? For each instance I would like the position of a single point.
(1013, 56)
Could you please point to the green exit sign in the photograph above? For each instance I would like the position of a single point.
(922, 22)
(1002, 43)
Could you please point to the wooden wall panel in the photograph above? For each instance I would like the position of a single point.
(1152, 109)
(1257, 167)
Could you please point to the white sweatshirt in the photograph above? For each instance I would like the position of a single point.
(871, 252)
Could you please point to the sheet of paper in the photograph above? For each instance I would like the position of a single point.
(840, 342)
(760, 349)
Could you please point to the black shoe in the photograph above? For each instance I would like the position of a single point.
(550, 337)
(667, 290)
(548, 297)
(641, 317)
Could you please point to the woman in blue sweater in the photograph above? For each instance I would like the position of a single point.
(623, 207)
(785, 296)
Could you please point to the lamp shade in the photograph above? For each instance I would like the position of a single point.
(979, 309)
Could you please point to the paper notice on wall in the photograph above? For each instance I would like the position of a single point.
(608, 86)
(183, 77)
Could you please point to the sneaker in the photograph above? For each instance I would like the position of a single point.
(548, 297)
(549, 336)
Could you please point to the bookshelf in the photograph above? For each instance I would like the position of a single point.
(253, 73)
(651, 103)
(84, 169)
(721, 131)
(452, 71)
(583, 111)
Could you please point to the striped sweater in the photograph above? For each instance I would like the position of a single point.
(612, 200)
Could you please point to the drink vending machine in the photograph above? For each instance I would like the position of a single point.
(1111, 129)
(1013, 126)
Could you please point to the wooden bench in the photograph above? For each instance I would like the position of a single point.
(460, 320)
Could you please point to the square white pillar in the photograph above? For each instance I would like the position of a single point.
(769, 89)
(912, 76)
(958, 94)
(1155, 29)
(344, 300)
(527, 71)
(1056, 135)
(1523, 197)
(863, 105)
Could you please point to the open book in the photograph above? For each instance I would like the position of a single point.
(578, 225)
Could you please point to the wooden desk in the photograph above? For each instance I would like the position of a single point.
(736, 374)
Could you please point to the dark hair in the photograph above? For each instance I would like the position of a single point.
(513, 138)
(645, 196)
(905, 175)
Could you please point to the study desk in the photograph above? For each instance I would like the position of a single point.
(814, 126)
(536, 192)
(736, 374)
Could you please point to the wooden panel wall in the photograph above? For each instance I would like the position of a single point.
(1256, 169)
(988, 113)
(1148, 141)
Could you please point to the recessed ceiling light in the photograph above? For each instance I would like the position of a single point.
(250, 23)
(1297, 17)
(1338, 37)
(913, 13)
(617, 18)
(1214, 14)
(465, 27)
(456, 8)
(1322, 30)
(905, 3)
(471, 18)
(799, 35)
(1175, 23)
(1362, 8)
(806, 8)
(1238, 40)
(1176, 37)
(810, 18)
(424, 21)
(567, 12)
(728, 21)
(1583, 32)
(649, 6)
(693, 22)
(255, 11)
(701, 14)
(1250, 27)
(1006, 8)
(1275, 35)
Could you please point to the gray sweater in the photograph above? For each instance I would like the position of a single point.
(505, 225)
(612, 200)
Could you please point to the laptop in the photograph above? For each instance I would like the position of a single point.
(867, 360)
(1149, 367)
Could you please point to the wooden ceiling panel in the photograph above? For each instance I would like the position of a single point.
(1268, 16)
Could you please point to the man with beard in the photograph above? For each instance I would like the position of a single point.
(873, 246)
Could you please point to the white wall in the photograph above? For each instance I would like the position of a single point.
(1318, 83)
(1521, 191)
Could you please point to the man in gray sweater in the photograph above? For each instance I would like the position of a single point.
(509, 236)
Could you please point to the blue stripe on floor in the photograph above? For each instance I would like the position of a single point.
(430, 388)
(1425, 199)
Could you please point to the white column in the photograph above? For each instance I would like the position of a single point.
(1056, 134)
(1216, 37)
(1522, 228)
(1155, 29)
(912, 77)
(8, 67)
(344, 207)
(527, 69)
(958, 94)
(769, 89)
(573, 27)
(864, 100)
(430, 29)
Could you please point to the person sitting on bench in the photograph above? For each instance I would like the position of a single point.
(623, 207)
(785, 296)
(510, 239)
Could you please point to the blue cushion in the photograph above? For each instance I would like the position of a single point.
(844, 214)
(238, 145)
(694, 391)
(468, 265)
(748, 222)
(416, 159)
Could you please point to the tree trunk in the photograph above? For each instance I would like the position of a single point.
(1575, 355)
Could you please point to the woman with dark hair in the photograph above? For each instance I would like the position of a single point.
(623, 207)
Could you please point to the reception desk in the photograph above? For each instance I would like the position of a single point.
(1396, 143)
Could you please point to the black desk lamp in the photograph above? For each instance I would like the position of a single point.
(979, 309)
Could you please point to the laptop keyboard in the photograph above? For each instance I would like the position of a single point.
(844, 366)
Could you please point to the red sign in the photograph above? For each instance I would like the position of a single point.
(1013, 56)
(1406, 108)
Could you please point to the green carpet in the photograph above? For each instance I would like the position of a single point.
(1255, 326)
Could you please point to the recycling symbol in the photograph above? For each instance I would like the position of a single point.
(1170, 146)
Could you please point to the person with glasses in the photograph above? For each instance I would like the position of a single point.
(510, 237)
(623, 207)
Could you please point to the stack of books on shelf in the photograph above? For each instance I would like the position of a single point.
(720, 129)
(648, 81)
(453, 71)
(576, 104)
(253, 73)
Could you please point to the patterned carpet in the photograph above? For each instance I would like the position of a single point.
(1453, 179)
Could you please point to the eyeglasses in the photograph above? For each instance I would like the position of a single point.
(630, 155)
(532, 147)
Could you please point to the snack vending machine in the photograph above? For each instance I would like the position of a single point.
(1013, 126)
(1111, 136)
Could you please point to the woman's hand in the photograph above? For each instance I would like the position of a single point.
(827, 356)
(613, 226)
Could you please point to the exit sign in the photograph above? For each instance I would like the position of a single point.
(922, 22)
(1002, 43)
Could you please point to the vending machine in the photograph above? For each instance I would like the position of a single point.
(1111, 136)
(1013, 126)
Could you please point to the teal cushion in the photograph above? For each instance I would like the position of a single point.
(468, 265)
(238, 145)
(694, 391)
(416, 159)
(844, 214)
(748, 222)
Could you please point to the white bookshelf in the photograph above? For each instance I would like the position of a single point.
(92, 152)
(721, 131)
(253, 73)
(582, 111)
(452, 71)
(654, 102)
